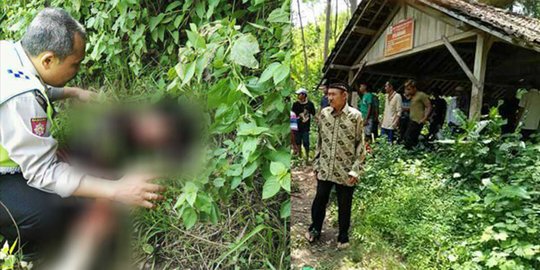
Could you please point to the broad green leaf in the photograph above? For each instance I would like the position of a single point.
(173, 5)
(268, 72)
(277, 168)
(271, 187)
(279, 16)
(219, 182)
(191, 189)
(236, 182)
(196, 40)
(249, 146)
(243, 50)
(250, 129)
(190, 71)
(250, 169)
(286, 182)
(242, 88)
(154, 21)
(281, 72)
(190, 217)
(285, 210)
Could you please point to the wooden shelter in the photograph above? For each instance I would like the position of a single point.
(440, 43)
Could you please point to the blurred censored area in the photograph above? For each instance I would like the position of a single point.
(104, 140)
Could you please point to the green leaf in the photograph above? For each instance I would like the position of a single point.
(250, 169)
(285, 210)
(154, 21)
(279, 16)
(286, 182)
(268, 72)
(277, 168)
(147, 248)
(250, 129)
(271, 187)
(190, 71)
(191, 189)
(236, 182)
(281, 73)
(500, 236)
(190, 217)
(243, 50)
(514, 192)
(242, 87)
(249, 146)
(173, 5)
(196, 40)
(219, 182)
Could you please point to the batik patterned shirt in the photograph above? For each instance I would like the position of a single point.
(340, 147)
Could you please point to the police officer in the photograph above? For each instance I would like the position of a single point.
(34, 184)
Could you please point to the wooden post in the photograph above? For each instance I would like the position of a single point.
(352, 96)
(483, 44)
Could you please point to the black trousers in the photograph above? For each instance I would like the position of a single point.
(412, 134)
(40, 217)
(318, 209)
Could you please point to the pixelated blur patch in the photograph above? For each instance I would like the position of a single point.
(39, 125)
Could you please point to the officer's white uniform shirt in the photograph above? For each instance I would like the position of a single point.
(25, 129)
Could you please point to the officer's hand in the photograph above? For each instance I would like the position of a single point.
(85, 95)
(137, 190)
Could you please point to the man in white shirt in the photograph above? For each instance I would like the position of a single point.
(392, 111)
(529, 113)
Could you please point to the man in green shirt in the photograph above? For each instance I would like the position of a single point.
(368, 106)
(420, 110)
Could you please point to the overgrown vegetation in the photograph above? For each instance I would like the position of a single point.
(233, 58)
(471, 204)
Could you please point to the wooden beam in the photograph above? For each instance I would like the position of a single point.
(361, 67)
(379, 33)
(421, 48)
(373, 19)
(389, 74)
(461, 63)
(364, 30)
(340, 67)
(483, 44)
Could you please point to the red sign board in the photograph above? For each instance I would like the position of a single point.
(400, 38)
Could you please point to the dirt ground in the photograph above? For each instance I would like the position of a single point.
(306, 255)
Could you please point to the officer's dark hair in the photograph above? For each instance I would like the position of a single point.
(54, 30)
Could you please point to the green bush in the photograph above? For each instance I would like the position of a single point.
(470, 204)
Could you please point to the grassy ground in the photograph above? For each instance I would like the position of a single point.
(250, 235)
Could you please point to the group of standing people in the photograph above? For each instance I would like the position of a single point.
(404, 115)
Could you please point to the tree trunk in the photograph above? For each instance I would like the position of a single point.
(328, 28)
(306, 68)
(336, 21)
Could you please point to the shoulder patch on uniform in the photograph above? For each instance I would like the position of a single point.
(18, 74)
(39, 125)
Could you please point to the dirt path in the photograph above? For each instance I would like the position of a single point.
(305, 255)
